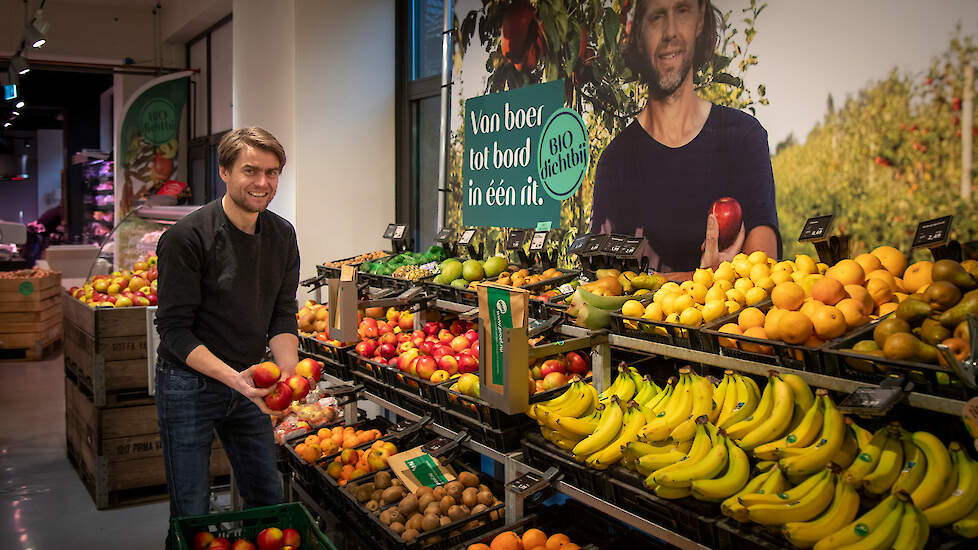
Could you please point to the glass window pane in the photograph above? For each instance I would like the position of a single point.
(424, 169)
(427, 21)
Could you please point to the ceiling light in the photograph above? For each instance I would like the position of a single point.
(19, 65)
(19, 105)
(34, 37)
(15, 113)
(7, 124)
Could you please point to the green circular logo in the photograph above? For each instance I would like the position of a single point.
(861, 529)
(158, 121)
(791, 438)
(563, 153)
(26, 288)
(865, 457)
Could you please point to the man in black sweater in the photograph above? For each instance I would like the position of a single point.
(228, 274)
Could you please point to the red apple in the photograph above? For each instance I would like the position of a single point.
(387, 338)
(457, 328)
(152, 299)
(151, 274)
(270, 539)
(366, 348)
(266, 375)
(280, 397)
(403, 337)
(404, 347)
(202, 540)
(472, 335)
(140, 301)
(440, 351)
(430, 328)
(459, 343)
(299, 385)
(386, 351)
(553, 365)
(290, 537)
(426, 366)
(219, 543)
(426, 347)
(448, 363)
(394, 362)
(406, 322)
(445, 337)
(384, 328)
(310, 368)
(368, 322)
(554, 380)
(417, 334)
(475, 349)
(413, 365)
(404, 362)
(467, 363)
(729, 217)
(417, 341)
(577, 363)
(137, 282)
(242, 544)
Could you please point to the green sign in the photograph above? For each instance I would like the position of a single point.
(426, 471)
(26, 288)
(563, 154)
(544, 226)
(158, 121)
(500, 317)
(501, 184)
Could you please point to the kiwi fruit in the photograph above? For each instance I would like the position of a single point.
(409, 535)
(445, 503)
(454, 489)
(433, 508)
(382, 480)
(377, 495)
(392, 495)
(468, 479)
(397, 527)
(457, 513)
(444, 520)
(479, 508)
(408, 505)
(424, 490)
(395, 516)
(396, 482)
(372, 505)
(438, 492)
(469, 498)
(486, 498)
(414, 522)
(424, 501)
(430, 522)
(385, 517)
(363, 493)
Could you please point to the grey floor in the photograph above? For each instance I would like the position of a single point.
(43, 504)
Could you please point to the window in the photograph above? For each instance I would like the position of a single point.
(210, 111)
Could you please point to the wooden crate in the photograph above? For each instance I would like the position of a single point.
(30, 317)
(113, 370)
(105, 322)
(117, 451)
(29, 294)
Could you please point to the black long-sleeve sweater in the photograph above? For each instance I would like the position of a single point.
(223, 288)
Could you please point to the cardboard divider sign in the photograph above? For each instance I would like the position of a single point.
(416, 468)
(504, 347)
(343, 301)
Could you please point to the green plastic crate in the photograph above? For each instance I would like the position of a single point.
(246, 524)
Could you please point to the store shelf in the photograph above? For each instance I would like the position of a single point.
(846, 385)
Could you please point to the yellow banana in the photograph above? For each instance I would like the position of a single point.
(633, 450)
(611, 454)
(883, 536)
(608, 428)
(951, 484)
(847, 453)
(719, 395)
(965, 495)
(700, 447)
(775, 483)
(737, 395)
(863, 436)
(708, 467)
(730, 483)
(802, 436)
(776, 423)
(581, 427)
(828, 443)
(913, 531)
(565, 443)
(760, 414)
(732, 503)
(938, 468)
(765, 465)
(557, 401)
(576, 407)
(612, 389)
(801, 390)
(626, 390)
(572, 396)
(670, 493)
(967, 526)
(844, 507)
(677, 411)
(662, 397)
(857, 530)
(791, 495)
(806, 508)
(914, 466)
(867, 458)
(702, 405)
(755, 390)
(888, 466)
(650, 463)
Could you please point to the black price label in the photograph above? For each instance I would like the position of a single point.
(389, 232)
(466, 237)
(444, 235)
(614, 244)
(515, 239)
(578, 244)
(399, 231)
(932, 232)
(816, 229)
(595, 244)
(631, 246)
(538, 240)
(524, 483)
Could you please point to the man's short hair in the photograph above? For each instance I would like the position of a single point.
(706, 42)
(234, 141)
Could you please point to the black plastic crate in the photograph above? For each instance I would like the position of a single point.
(425, 390)
(673, 334)
(335, 359)
(504, 440)
(733, 535)
(590, 529)
(386, 281)
(372, 385)
(688, 517)
(450, 293)
(477, 410)
(361, 364)
(541, 454)
(413, 403)
(927, 378)
(566, 276)
(303, 471)
(334, 272)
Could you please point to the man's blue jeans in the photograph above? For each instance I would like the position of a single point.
(190, 408)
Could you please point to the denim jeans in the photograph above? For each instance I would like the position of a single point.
(190, 408)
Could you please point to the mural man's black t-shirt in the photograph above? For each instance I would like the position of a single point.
(645, 188)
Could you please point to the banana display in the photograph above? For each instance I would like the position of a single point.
(695, 437)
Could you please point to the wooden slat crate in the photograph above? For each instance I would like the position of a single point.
(117, 450)
(113, 370)
(105, 322)
(30, 316)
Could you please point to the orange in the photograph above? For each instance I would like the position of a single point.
(884, 276)
(788, 296)
(729, 328)
(570, 546)
(795, 327)
(557, 541)
(311, 453)
(533, 538)
(829, 323)
(478, 546)
(324, 433)
(853, 312)
(828, 291)
(813, 342)
(859, 293)
(868, 262)
(312, 439)
(892, 259)
(879, 291)
(750, 317)
(918, 275)
(507, 540)
(756, 332)
(811, 307)
(771, 321)
(848, 272)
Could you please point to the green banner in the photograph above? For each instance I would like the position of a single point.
(501, 181)
(426, 471)
(500, 317)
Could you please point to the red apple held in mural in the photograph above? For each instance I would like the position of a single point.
(729, 218)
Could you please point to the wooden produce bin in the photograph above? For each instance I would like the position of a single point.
(30, 314)
(117, 451)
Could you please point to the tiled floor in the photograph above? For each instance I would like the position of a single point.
(43, 504)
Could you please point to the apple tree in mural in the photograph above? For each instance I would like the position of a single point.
(581, 41)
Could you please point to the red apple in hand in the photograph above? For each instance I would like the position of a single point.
(310, 368)
(280, 397)
(270, 539)
(290, 537)
(266, 375)
(299, 385)
(576, 363)
(729, 217)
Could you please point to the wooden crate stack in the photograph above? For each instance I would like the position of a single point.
(30, 314)
(113, 438)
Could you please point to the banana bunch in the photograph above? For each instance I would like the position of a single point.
(673, 416)
(829, 446)
(802, 503)
(893, 523)
(671, 474)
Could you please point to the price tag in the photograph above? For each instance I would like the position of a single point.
(389, 232)
(399, 231)
(932, 232)
(444, 236)
(538, 240)
(466, 237)
(614, 244)
(816, 229)
(578, 245)
(566, 288)
(595, 244)
(430, 266)
(630, 247)
(515, 239)
(544, 226)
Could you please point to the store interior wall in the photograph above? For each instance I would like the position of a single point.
(50, 163)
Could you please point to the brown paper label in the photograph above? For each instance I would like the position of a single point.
(416, 468)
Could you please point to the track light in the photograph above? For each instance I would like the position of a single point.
(35, 31)
(19, 105)
(19, 65)
(15, 113)
(7, 124)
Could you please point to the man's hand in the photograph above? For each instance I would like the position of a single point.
(244, 385)
(712, 255)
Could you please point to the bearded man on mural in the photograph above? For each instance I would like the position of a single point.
(660, 176)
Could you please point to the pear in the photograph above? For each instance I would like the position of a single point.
(913, 311)
(933, 332)
(888, 327)
(904, 346)
(952, 272)
(954, 316)
(942, 294)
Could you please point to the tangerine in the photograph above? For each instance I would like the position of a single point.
(507, 540)
(892, 259)
(848, 272)
(557, 541)
(750, 317)
(829, 323)
(868, 262)
(788, 296)
(533, 538)
(794, 327)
